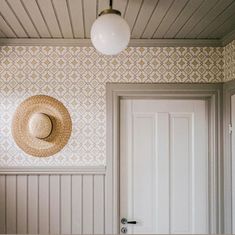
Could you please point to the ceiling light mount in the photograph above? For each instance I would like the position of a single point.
(110, 33)
(110, 10)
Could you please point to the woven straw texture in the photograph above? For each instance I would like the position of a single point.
(61, 123)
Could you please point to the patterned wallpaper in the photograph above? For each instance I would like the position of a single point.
(77, 77)
(229, 61)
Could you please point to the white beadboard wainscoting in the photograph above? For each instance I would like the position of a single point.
(44, 202)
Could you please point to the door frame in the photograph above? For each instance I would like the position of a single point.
(229, 200)
(209, 92)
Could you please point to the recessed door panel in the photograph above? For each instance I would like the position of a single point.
(164, 166)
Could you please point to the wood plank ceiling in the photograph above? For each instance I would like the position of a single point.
(148, 19)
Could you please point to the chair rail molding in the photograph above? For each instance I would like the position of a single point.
(53, 170)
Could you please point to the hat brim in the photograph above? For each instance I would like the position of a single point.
(61, 123)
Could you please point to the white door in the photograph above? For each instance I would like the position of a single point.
(164, 166)
(233, 159)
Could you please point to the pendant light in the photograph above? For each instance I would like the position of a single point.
(110, 33)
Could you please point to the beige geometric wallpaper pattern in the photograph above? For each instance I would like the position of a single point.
(229, 61)
(77, 77)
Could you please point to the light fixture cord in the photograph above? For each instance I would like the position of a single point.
(111, 4)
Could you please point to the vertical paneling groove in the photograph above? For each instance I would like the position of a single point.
(163, 171)
(36, 17)
(2, 204)
(214, 12)
(48, 13)
(98, 204)
(156, 18)
(66, 204)
(195, 18)
(2, 35)
(104, 202)
(33, 204)
(120, 5)
(89, 15)
(54, 204)
(182, 18)
(87, 204)
(6, 29)
(171, 15)
(146, 11)
(11, 206)
(43, 213)
(132, 12)
(22, 204)
(76, 204)
(76, 14)
(11, 19)
(22, 16)
(62, 14)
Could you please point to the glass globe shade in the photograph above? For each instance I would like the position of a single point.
(110, 34)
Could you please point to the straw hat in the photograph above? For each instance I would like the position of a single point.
(41, 126)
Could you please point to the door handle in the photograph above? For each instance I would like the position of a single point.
(125, 221)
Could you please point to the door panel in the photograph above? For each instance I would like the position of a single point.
(180, 171)
(142, 160)
(164, 166)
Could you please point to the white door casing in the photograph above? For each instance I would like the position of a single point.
(164, 166)
(233, 158)
(212, 93)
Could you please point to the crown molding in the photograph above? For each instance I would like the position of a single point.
(175, 43)
(133, 42)
(228, 38)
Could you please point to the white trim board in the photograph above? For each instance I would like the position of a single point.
(228, 38)
(52, 170)
(229, 90)
(133, 42)
(210, 92)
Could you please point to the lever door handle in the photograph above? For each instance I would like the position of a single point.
(131, 222)
(125, 221)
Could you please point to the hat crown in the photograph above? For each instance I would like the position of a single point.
(40, 125)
